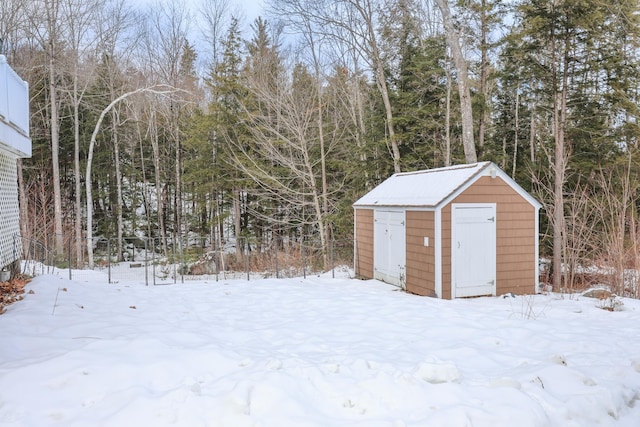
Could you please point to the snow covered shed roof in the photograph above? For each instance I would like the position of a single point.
(429, 188)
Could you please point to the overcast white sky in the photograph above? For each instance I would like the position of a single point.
(253, 8)
(246, 10)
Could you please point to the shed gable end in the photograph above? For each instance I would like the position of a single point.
(516, 236)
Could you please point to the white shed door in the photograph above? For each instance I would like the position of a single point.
(389, 237)
(473, 263)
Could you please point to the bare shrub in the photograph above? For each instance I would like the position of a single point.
(615, 203)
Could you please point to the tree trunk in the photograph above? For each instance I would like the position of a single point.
(515, 137)
(236, 221)
(76, 171)
(447, 122)
(367, 14)
(155, 150)
(88, 184)
(365, 10)
(323, 160)
(559, 169)
(382, 84)
(532, 133)
(116, 158)
(484, 71)
(145, 198)
(55, 149)
(505, 156)
(463, 82)
(178, 175)
(323, 165)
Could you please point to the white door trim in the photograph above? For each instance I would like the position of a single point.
(492, 243)
(437, 218)
(382, 269)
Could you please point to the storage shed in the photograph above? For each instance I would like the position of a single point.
(459, 231)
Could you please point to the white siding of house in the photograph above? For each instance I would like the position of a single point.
(9, 211)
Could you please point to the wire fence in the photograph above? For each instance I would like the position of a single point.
(157, 261)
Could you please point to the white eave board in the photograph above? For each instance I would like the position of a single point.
(14, 142)
(14, 112)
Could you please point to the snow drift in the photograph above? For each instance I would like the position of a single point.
(314, 352)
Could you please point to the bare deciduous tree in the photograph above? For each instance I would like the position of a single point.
(44, 19)
(291, 143)
(88, 183)
(12, 24)
(166, 42)
(353, 23)
(79, 16)
(464, 91)
(615, 204)
(113, 24)
(216, 18)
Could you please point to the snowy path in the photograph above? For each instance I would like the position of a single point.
(316, 352)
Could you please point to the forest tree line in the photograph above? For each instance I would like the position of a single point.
(169, 120)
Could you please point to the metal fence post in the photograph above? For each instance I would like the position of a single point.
(333, 270)
(175, 273)
(247, 257)
(46, 258)
(153, 260)
(69, 257)
(146, 263)
(277, 271)
(51, 261)
(217, 254)
(304, 264)
(15, 254)
(182, 264)
(109, 260)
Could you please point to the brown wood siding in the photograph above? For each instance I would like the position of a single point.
(364, 243)
(420, 260)
(445, 220)
(515, 236)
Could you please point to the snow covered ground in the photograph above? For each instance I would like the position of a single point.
(315, 352)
